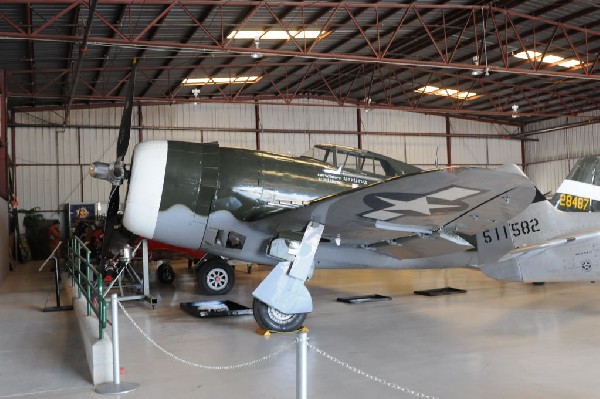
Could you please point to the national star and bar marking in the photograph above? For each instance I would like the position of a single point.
(420, 205)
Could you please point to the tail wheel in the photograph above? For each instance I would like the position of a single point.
(165, 273)
(269, 318)
(216, 277)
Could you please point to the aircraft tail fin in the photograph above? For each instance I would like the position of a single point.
(580, 191)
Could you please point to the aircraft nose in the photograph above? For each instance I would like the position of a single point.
(171, 189)
(145, 188)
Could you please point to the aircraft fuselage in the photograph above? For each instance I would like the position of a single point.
(203, 196)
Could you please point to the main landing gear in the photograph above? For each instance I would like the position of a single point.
(269, 318)
(281, 301)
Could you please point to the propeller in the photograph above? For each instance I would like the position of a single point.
(115, 172)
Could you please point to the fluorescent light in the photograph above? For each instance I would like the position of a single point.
(220, 81)
(275, 34)
(465, 95)
(428, 89)
(278, 35)
(436, 91)
(548, 58)
(309, 34)
(552, 59)
(525, 55)
(448, 92)
(246, 34)
(570, 63)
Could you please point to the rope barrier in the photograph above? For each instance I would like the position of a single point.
(206, 367)
(369, 376)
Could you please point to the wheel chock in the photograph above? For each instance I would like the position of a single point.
(267, 333)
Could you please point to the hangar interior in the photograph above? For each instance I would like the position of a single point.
(430, 83)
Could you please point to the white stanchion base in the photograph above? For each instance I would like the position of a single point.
(110, 388)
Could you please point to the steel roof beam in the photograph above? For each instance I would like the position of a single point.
(79, 64)
(190, 34)
(508, 14)
(488, 89)
(107, 51)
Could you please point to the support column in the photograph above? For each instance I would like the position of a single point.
(523, 163)
(3, 138)
(359, 127)
(448, 141)
(257, 123)
(13, 151)
(141, 123)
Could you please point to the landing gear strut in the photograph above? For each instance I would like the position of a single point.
(282, 301)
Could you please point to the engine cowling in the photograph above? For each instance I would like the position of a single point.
(171, 188)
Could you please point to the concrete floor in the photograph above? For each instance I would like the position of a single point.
(500, 340)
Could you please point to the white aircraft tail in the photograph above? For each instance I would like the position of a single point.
(556, 240)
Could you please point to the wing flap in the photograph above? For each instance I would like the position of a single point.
(421, 246)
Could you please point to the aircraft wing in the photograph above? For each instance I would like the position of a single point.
(435, 204)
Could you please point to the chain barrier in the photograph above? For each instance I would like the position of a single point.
(205, 367)
(369, 376)
(271, 356)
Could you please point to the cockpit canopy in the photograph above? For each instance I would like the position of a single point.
(360, 161)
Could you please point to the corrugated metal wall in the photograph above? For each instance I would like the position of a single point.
(412, 149)
(53, 161)
(483, 151)
(316, 115)
(551, 157)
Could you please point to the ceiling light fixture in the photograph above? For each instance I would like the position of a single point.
(257, 54)
(368, 104)
(548, 58)
(195, 92)
(476, 60)
(276, 34)
(220, 81)
(476, 72)
(436, 91)
(515, 109)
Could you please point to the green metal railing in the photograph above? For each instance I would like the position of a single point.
(88, 280)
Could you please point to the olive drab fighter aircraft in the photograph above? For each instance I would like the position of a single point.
(348, 208)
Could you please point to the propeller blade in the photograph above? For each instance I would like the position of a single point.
(111, 220)
(125, 127)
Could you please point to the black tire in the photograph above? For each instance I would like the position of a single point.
(216, 277)
(269, 318)
(165, 273)
(198, 263)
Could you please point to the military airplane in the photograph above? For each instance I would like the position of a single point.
(347, 209)
(551, 241)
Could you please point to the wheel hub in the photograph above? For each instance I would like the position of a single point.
(280, 316)
(217, 278)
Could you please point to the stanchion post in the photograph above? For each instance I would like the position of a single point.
(56, 280)
(116, 386)
(115, 337)
(78, 254)
(301, 367)
(88, 290)
(57, 308)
